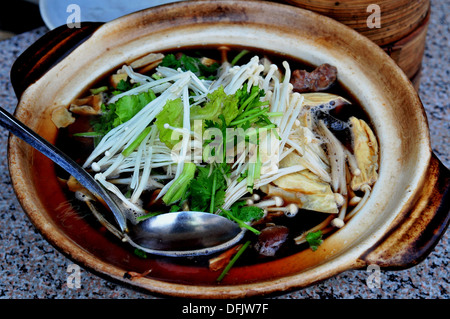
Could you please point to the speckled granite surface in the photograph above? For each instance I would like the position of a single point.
(31, 268)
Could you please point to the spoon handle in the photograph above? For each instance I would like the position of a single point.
(23, 132)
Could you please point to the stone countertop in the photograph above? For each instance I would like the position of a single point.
(31, 268)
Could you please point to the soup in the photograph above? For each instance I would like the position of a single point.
(277, 146)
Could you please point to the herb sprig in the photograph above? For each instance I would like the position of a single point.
(193, 64)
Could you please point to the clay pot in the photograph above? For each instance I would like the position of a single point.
(398, 227)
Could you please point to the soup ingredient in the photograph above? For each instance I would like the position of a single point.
(320, 79)
(118, 79)
(271, 239)
(314, 239)
(323, 101)
(207, 190)
(224, 258)
(147, 62)
(289, 211)
(77, 188)
(233, 260)
(324, 227)
(243, 214)
(115, 114)
(336, 154)
(170, 116)
(218, 103)
(201, 67)
(365, 148)
(179, 187)
(304, 189)
(90, 105)
(61, 117)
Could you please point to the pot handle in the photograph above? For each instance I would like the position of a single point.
(414, 234)
(46, 52)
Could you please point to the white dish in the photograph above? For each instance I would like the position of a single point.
(59, 12)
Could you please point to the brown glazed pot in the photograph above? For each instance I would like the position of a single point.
(399, 226)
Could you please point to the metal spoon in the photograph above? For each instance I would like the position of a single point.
(173, 234)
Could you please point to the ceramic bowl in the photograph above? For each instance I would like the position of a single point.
(400, 224)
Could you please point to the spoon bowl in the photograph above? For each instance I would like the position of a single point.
(174, 234)
(185, 234)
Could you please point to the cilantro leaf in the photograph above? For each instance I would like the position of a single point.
(249, 99)
(207, 190)
(242, 214)
(129, 105)
(104, 123)
(209, 69)
(114, 114)
(246, 213)
(124, 86)
(189, 63)
(170, 61)
(314, 239)
(200, 191)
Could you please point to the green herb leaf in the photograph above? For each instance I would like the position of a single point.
(115, 114)
(242, 214)
(233, 260)
(99, 90)
(189, 63)
(170, 61)
(140, 253)
(178, 189)
(129, 105)
(207, 190)
(246, 213)
(314, 239)
(241, 223)
(172, 114)
(149, 215)
(219, 103)
(239, 56)
(87, 134)
(124, 86)
(175, 208)
(135, 144)
(250, 99)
